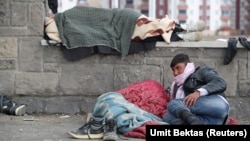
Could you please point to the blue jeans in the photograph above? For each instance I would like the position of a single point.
(211, 110)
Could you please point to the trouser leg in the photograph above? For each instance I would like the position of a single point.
(178, 109)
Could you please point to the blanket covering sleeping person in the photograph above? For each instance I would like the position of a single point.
(135, 106)
(115, 28)
(128, 115)
(89, 26)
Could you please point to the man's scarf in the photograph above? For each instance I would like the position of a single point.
(179, 80)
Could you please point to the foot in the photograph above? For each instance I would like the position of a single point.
(91, 130)
(14, 109)
(110, 130)
(190, 36)
(189, 117)
(194, 26)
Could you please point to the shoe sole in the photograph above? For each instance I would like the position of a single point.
(90, 136)
(21, 110)
(110, 138)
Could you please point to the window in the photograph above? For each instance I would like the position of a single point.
(225, 13)
(182, 22)
(129, 2)
(182, 12)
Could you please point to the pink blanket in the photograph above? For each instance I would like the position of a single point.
(150, 96)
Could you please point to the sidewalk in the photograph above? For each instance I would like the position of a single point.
(46, 127)
(42, 128)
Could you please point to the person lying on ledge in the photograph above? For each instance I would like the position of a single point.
(197, 95)
(75, 28)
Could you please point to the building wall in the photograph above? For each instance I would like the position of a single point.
(42, 78)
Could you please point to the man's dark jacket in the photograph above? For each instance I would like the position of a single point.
(207, 78)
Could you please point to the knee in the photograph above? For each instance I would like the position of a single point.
(174, 102)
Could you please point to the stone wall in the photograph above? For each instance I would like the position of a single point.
(42, 78)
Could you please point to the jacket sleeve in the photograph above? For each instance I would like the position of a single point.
(214, 83)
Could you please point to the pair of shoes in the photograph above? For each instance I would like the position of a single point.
(11, 108)
(190, 36)
(15, 109)
(103, 129)
(194, 26)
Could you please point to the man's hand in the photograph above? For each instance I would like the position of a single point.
(191, 98)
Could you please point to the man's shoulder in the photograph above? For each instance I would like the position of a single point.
(204, 69)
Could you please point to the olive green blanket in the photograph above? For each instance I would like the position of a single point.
(89, 26)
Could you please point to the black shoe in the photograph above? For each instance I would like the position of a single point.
(231, 50)
(11, 108)
(91, 130)
(110, 130)
(189, 118)
(244, 42)
(17, 110)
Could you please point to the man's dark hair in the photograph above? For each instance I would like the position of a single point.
(179, 58)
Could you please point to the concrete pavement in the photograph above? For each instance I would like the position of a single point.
(47, 127)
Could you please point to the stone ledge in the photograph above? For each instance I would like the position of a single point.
(199, 44)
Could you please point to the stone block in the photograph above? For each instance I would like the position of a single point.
(8, 47)
(7, 82)
(36, 83)
(4, 13)
(30, 55)
(93, 79)
(36, 19)
(244, 89)
(14, 31)
(52, 67)
(62, 105)
(128, 74)
(52, 54)
(7, 64)
(19, 14)
(87, 104)
(239, 107)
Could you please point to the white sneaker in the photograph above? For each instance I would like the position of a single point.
(194, 26)
(190, 36)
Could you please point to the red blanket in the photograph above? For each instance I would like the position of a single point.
(150, 96)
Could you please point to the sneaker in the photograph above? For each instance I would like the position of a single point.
(190, 36)
(14, 109)
(194, 26)
(110, 130)
(91, 130)
(20, 110)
